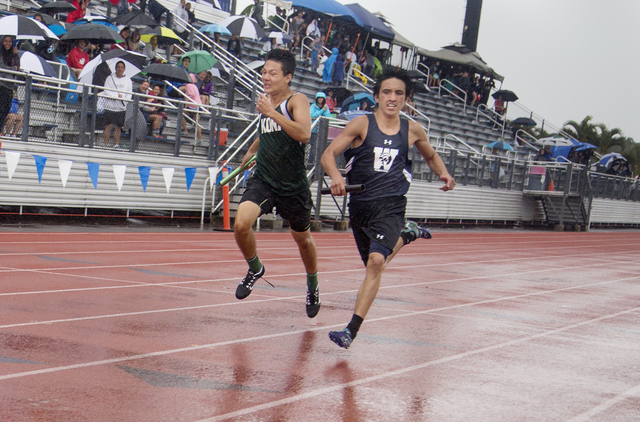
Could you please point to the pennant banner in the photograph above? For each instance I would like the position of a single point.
(167, 173)
(65, 168)
(94, 169)
(144, 176)
(213, 172)
(190, 173)
(118, 173)
(12, 162)
(40, 163)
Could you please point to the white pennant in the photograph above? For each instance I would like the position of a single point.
(167, 173)
(65, 168)
(12, 162)
(118, 172)
(213, 175)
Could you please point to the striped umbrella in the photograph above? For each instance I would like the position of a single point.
(23, 28)
(36, 64)
(280, 37)
(243, 26)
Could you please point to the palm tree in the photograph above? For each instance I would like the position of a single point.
(633, 155)
(608, 140)
(583, 131)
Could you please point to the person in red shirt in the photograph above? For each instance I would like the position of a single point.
(78, 57)
(80, 6)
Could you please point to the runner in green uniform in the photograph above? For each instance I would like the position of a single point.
(280, 179)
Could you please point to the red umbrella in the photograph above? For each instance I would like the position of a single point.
(115, 2)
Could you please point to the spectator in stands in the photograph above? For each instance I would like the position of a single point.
(125, 32)
(258, 11)
(277, 21)
(78, 57)
(370, 63)
(150, 112)
(114, 103)
(151, 50)
(485, 90)
(192, 92)
(180, 20)
(327, 73)
(234, 46)
(297, 29)
(184, 64)
(156, 10)
(14, 120)
(9, 59)
(464, 83)
(192, 14)
(497, 172)
(473, 91)
(623, 170)
(123, 7)
(337, 75)
(205, 89)
(409, 110)
(433, 74)
(317, 110)
(81, 7)
(157, 92)
(313, 30)
(331, 102)
(134, 40)
(500, 108)
(544, 154)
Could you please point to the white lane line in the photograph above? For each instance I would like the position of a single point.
(632, 392)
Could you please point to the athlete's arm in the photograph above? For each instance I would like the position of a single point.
(300, 127)
(419, 138)
(353, 134)
(253, 149)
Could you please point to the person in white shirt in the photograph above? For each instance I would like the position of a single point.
(115, 104)
(178, 25)
(151, 49)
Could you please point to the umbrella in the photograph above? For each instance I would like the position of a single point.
(212, 28)
(243, 26)
(141, 123)
(585, 146)
(255, 65)
(165, 35)
(280, 37)
(608, 160)
(557, 141)
(350, 115)
(33, 63)
(53, 24)
(524, 121)
(506, 95)
(23, 28)
(97, 70)
(95, 33)
(200, 60)
(167, 71)
(115, 2)
(500, 145)
(329, 7)
(218, 70)
(355, 101)
(97, 20)
(135, 19)
(57, 7)
(58, 30)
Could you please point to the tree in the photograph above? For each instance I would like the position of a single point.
(584, 131)
(608, 140)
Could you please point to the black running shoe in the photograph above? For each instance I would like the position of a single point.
(342, 338)
(244, 289)
(313, 303)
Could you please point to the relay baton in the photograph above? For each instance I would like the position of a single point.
(237, 171)
(348, 189)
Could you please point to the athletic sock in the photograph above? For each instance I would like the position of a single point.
(312, 281)
(407, 237)
(254, 264)
(354, 325)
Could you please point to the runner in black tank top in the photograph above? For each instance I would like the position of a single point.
(378, 158)
(280, 180)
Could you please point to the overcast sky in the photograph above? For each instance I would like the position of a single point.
(565, 59)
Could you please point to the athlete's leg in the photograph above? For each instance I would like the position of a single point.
(370, 285)
(307, 247)
(247, 214)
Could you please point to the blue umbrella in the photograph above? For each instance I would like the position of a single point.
(212, 28)
(57, 29)
(329, 7)
(98, 20)
(585, 146)
(350, 115)
(607, 160)
(355, 101)
(371, 22)
(500, 145)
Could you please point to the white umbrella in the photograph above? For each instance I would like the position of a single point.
(23, 28)
(30, 62)
(243, 26)
(280, 37)
(133, 65)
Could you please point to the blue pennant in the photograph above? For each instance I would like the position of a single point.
(144, 176)
(190, 173)
(40, 162)
(93, 168)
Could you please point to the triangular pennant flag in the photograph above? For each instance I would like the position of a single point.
(144, 176)
(189, 173)
(167, 173)
(65, 168)
(94, 169)
(118, 173)
(12, 162)
(40, 163)
(213, 172)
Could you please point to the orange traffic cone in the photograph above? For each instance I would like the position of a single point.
(551, 186)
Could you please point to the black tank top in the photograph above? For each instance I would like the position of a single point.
(381, 163)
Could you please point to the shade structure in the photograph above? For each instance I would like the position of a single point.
(243, 26)
(473, 59)
(167, 71)
(371, 22)
(57, 7)
(329, 7)
(23, 28)
(93, 32)
(135, 19)
(33, 63)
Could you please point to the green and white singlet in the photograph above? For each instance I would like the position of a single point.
(280, 159)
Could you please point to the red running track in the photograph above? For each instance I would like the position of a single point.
(468, 326)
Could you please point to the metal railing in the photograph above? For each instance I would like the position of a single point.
(442, 87)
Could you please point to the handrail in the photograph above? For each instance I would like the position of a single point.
(427, 75)
(464, 100)
(451, 135)
(493, 117)
(530, 136)
(356, 79)
(303, 46)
